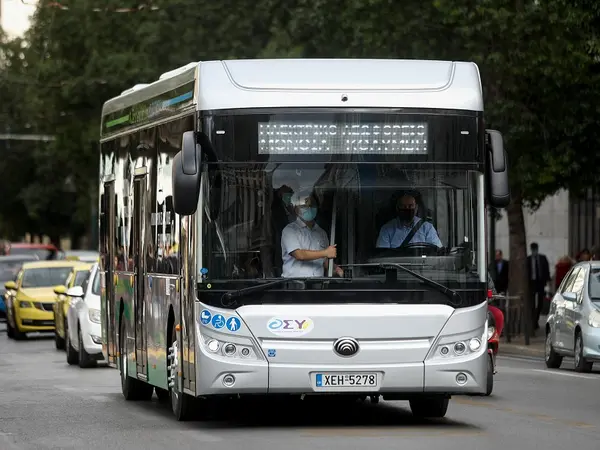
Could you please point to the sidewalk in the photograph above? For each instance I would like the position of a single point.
(517, 346)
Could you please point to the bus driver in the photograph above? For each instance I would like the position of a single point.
(305, 248)
(407, 228)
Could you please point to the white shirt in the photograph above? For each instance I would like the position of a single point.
(297, 236)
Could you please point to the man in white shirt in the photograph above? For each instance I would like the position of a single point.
(305, 248)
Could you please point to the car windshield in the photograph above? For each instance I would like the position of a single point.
(9, 270)
(594, 284)
(96, 285)
(80, 277)
(45, 277)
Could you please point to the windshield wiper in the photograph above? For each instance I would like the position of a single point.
(226, 299)
(453, 296)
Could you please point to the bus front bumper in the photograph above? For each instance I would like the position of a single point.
(218, 375)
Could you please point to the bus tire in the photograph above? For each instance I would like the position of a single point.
(181, 403)
(489, 386)
(132, 388)
(429, 407)
(162, 394)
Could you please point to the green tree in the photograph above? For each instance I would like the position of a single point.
(78, 58)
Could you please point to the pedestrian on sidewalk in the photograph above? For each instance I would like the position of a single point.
(539, 276)
(499, 272)
(584, 255)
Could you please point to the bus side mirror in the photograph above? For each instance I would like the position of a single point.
(497, 170)
(187, 170)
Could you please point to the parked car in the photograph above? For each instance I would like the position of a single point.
(84, 331)
(9, 268)
(80, 272)
(30, 298)
(573, 324)
(44, 252)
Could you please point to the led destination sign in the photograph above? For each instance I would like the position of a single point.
(287, 138)
(165, 104)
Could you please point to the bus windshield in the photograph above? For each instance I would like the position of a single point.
(254, 215)
(369, 177)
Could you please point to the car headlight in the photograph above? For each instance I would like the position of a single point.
(229, 349)
(594, 319)
(94, 315)
(24, 304)
(491, 331)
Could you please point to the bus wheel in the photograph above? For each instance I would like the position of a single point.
(132, 388)
(162, 394)
(181, 403)
(429, 407)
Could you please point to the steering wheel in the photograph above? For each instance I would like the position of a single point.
(419, 245)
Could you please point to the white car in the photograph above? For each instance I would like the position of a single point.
(84, 332)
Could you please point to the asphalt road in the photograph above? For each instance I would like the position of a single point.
(45, 404)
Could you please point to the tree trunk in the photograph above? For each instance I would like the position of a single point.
(518, 281)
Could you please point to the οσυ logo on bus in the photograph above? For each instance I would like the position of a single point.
(295, 326)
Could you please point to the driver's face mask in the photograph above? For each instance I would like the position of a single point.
(406, 213)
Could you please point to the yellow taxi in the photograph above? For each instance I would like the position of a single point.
(30, 299)
(79, 275)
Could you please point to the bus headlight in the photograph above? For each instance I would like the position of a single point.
(24, 304)
(491, 331)
(459, 345)
(94, 315)
(229, 349)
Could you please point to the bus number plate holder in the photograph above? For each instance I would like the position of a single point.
(346, 380)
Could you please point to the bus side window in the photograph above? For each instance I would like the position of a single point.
(167, 225)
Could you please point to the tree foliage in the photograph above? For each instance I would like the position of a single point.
(538, 60)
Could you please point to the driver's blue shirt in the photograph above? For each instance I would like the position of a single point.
(394, 232)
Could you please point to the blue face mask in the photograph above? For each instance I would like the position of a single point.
(308, 214)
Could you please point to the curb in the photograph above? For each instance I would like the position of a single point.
(521, 350)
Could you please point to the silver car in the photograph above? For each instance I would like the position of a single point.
(573, 325)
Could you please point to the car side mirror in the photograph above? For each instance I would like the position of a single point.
(10, 285)
(187, 171)
(75, 291)
(497, 170)
(570, 296)
(60, 290)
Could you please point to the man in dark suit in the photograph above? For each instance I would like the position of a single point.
(539, 275)
(499, 272)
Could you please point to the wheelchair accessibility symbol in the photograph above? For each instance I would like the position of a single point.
(218, 321)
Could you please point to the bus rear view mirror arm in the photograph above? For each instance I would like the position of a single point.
(187, 170)
(497, 168)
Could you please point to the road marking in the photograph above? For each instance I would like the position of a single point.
(564, 374)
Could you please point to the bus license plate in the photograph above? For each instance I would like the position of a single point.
(324, 380)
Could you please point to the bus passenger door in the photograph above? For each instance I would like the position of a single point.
(139, 206)
(107, 267)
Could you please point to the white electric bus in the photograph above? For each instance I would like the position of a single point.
(223, 185)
